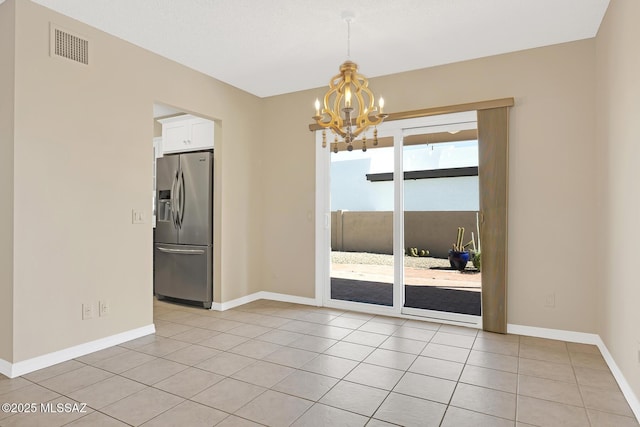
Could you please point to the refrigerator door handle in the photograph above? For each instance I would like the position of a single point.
(181, 251)
(182, 196)
(174, 189)
(178, 198)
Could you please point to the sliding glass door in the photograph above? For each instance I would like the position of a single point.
(392, 214)
(362, 264)
(440, 206)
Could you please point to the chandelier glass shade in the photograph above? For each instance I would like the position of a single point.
(348, 108)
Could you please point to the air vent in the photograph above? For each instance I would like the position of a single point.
(64, 44)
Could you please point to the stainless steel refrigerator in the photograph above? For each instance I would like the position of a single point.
(183, 246)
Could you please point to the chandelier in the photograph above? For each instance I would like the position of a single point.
(349, 105)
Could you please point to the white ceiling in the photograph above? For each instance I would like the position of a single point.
(270, 47)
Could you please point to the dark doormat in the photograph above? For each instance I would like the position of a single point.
(442, 299)
(424, 297)
(362, 291)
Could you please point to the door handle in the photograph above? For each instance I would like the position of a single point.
(173, 200)
(181, 251)
(182, 196)
(178, 198)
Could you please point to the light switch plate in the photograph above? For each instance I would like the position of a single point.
(104, 308)
(138, 216)
(87, 311)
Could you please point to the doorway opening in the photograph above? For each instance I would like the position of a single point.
(394, 213)
(185, 198)
(492, 118)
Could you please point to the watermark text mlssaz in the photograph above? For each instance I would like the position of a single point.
(46, 407)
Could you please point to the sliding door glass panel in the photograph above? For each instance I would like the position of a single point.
(362, 225)
(441, 201)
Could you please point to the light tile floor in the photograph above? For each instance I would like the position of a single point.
(280, 364)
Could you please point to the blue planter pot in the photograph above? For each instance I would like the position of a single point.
(458, 260)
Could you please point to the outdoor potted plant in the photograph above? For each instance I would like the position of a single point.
(459, 256)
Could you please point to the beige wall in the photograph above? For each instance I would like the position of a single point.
(551, 177)
(288, 195)
(7, 68)
(551, 161)
(83, 162)
(618, 92)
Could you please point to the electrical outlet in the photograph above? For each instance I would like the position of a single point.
(87, 311)
(550, 300)
(104, 308)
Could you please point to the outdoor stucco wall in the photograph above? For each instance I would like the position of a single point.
(363, 232)
(372, 232)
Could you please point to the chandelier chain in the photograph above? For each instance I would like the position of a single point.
(348, 38)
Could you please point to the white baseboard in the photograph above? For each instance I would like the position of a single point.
(13, 370)
(631, 397)
(584, 338)
(222, 306)
(262, 295)
(288, 298)
(554, 334)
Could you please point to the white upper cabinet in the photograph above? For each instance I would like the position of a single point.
(186, 133)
